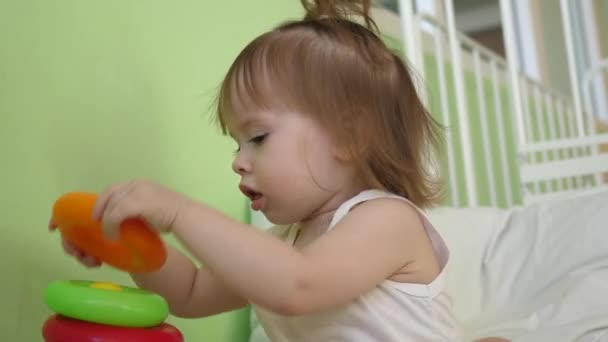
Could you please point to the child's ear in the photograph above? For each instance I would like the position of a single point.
(343, 153)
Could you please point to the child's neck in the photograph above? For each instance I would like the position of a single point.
(318, 223)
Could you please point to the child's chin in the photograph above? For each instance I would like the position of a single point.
(276, 219)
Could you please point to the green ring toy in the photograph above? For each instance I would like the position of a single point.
(106, 303)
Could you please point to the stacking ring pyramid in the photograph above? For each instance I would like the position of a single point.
(88, 311)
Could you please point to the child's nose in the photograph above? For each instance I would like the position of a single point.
(240, 165)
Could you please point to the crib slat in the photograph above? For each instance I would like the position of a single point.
(461, 103)
(446, 117)
(549, 105)
(485, 137)
(561, 129)
(502, 140)
(540, 129)
(529, 131)
(410, 33)
(574, 79)
(572, 133)
(511, 50)
(592, 129)
(526, 111)
(419, 58)
(506, 12)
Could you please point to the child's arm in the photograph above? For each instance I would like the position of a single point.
(371, 243)
(190, 291)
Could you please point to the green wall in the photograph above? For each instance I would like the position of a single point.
(96, 92)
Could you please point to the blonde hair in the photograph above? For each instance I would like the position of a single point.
(342, 74)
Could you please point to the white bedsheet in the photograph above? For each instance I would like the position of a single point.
(537, 273)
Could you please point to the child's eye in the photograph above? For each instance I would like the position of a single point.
(258, 139)
(238, 149)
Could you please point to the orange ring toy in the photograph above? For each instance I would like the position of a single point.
(138, 249)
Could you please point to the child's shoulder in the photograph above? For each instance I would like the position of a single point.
(392, 210)
(381, 205)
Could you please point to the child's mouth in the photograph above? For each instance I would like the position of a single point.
(257, 199)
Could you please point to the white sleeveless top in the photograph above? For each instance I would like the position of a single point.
(391, 312)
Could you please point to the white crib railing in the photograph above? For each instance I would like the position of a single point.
(547, 142)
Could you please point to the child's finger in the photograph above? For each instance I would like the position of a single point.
(52, 225)
(71, 249)
(87, 260)
(103, 200)
(90, 261)
(118, 208)
(111, 223)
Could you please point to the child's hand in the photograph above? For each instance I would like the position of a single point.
(154, 204)
(87, 260)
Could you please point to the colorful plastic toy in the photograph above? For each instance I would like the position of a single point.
(87, 311)
(62, 329)
(106, 303)
(138, 249)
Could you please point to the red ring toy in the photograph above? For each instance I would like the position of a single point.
(61, 329)
(138, 249)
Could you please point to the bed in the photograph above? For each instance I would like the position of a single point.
(526, 217)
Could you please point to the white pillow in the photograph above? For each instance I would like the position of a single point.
(545, 243)
(541, 274)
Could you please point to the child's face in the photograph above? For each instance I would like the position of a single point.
(287, 164)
